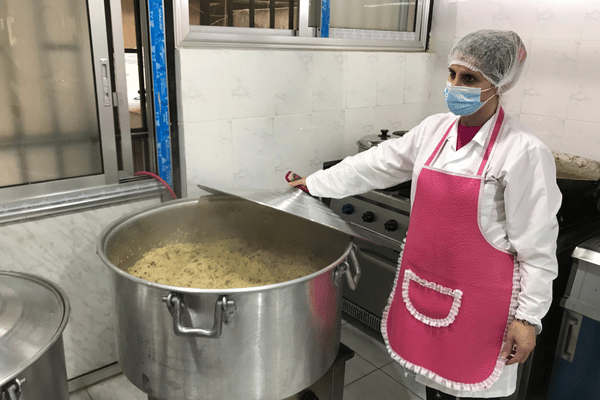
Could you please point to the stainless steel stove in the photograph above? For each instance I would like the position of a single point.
(382, 216)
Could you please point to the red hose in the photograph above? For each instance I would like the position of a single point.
(158, 178)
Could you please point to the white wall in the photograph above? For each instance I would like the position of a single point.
(249, 116)
(558, 94)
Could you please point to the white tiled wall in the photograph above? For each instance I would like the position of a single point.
(248, 116)
(558, 94)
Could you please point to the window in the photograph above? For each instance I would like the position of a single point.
(270, 14)
(375, 19)
(66, 125)
(138, 80)
(49, 127)
(349, 24)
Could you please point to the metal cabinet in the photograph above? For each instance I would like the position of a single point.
(576, 370)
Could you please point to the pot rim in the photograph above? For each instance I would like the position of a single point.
(106, 232)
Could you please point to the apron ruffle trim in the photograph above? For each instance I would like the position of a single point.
(471, 387)
(409, 275)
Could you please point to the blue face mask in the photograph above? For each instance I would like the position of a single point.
(463, 100)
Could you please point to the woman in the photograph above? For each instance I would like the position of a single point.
(475, 274)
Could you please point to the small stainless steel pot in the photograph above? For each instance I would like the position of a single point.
(266, 342)
(34, 313)
(366, 142)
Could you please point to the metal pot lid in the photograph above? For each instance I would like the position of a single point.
(33, 314)
(374, 140)
(295, 201)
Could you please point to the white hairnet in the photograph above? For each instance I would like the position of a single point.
(498, 55)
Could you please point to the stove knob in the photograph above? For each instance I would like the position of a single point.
(391, 225)
(347, 209)
(368, 216)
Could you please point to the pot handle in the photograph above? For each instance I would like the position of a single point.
(224, 310)
(352, 281)
(12, 391)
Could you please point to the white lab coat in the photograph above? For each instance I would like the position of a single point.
(517, 210)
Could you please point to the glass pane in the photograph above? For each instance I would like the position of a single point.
(48, 119)
(385, 15)
(132, 73)
(128, 13)
(274, 14)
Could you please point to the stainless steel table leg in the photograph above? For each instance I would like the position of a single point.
(337, 387)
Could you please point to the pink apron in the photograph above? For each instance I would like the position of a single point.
(454, 293)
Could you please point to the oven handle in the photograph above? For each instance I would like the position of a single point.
(352, 280)
(569, 334)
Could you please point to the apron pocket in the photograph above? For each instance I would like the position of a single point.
(429, 302)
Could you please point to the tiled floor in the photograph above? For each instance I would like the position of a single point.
(370, 374)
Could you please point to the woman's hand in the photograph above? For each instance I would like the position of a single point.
(520, 341)
(295, 180)
(301, 181)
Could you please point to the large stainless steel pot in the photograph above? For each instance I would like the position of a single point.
(265, 342)
(33, 316)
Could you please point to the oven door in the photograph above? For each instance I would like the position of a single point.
(379, 265)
